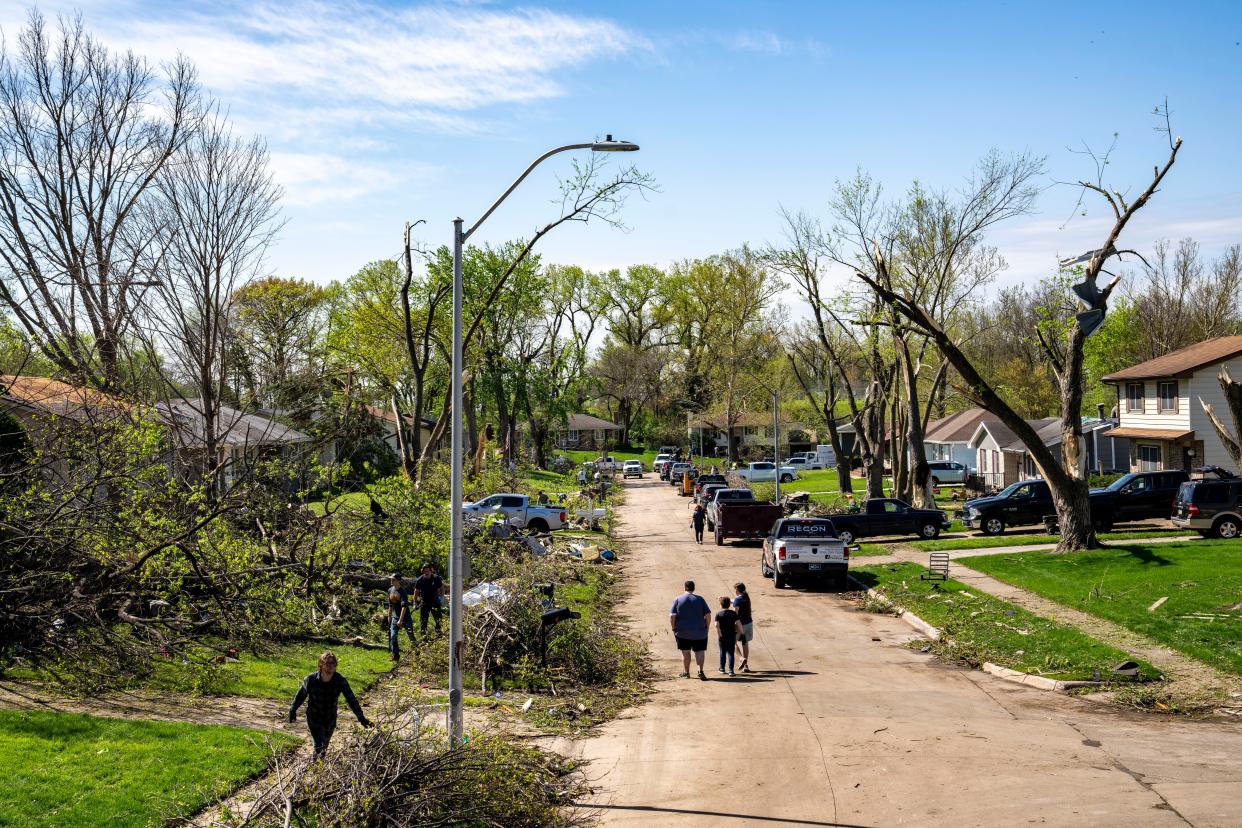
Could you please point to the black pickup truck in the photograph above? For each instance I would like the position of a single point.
(889, 516)
(1137, 496)
(1020, 504)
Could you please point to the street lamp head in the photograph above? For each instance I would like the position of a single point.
(609, 145)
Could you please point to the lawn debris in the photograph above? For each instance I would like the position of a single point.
(1155, 606)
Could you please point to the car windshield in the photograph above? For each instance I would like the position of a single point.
(806, 529)
(1119, 484)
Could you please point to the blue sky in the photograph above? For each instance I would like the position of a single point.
(381, 112)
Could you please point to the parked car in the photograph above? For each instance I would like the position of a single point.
(519, 511)
(675, 471)
(607, 464)
(889, 516)
(1020, 504)
(766, 472)
(732, 517)
(946, 471)
(661, 464)
(801, 548)
(706, 480)
(1213, 508)
(798, 463)
(1137, 496)
(705, 494)
(632, 468)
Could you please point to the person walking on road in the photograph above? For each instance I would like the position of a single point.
(398, 615)
(697, 520)
(320, 690)
(728, 628)
(427, 591)
(689, 618)
(741, 605)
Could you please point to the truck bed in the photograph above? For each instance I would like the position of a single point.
(745, 520)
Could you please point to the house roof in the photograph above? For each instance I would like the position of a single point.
(1182, 362)
(1048, 429)
(956, 428)
(585, 422)
(235, 428)
(55, 397)
(386, 415)
(1152, 433)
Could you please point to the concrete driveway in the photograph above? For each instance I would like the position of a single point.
(842, 725)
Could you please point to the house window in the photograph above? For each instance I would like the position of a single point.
(1149, 458)
(1134, 397)
(571, 436)
(1166, 392)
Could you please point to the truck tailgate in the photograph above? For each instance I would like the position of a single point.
(748, 519)
(814, 553)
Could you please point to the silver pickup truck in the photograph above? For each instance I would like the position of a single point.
(804, 548)
(519, 512)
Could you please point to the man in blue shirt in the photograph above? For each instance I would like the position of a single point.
(690, 619)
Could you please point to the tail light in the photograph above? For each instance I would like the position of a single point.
(562, 517)
(846, 550)
(780, 552)
(1192, 509)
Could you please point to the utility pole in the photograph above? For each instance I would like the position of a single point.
(776, 444)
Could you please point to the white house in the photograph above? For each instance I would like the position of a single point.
(949, 437)
(1160, 409)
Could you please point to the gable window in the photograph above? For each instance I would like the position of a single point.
(1134, 397)
(1166, 393)
(1149, 458)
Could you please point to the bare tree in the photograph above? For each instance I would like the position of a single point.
(1065, 476)
(1180, 299)
(211, 226)
(83, 138)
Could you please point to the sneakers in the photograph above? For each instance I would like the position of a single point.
(701, 676)
(722, 671)
(745, 668)
(683, 675)
(731, 673)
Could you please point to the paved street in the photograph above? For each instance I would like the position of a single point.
(843, 725)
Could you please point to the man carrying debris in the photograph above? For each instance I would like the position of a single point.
(320, 690)
(427, 591)
(690, 618)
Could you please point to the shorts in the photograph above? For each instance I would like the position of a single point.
(748, 632)
(699, 645)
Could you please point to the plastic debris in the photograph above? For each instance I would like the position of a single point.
(486, 591)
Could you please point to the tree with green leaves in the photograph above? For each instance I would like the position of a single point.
(277, 343)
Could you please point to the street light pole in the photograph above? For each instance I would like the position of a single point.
(457, 644)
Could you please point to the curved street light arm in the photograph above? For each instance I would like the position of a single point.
(520, 179)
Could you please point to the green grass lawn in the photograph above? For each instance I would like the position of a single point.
(1201, 579)
(66, 769)
(989, 541)
(975, 627)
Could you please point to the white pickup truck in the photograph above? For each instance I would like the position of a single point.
(804, 548)
(765, 472)
(606, 464)
(519, 512)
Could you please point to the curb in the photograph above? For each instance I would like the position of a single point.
(910, 618)
(1029, 680)
(1005, 673)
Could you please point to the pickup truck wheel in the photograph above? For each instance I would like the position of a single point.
(1227, 528)
(992, 526)
(929, 531)
(935, 481)
(778, 579)
(846, 536)
(711, 527)
(719, 537)
(841, 582)
(539, 526)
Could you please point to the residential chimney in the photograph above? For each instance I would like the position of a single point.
(1099, 410)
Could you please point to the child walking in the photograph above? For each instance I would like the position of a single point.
(728, 628)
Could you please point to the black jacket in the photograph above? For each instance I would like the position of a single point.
(321, 699)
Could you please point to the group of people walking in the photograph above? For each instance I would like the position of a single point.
(691, 620)
(429, 590)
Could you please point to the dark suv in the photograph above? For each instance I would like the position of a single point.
(1213, 508)
(1136, 496)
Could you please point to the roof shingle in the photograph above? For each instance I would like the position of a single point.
(1182, 362)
